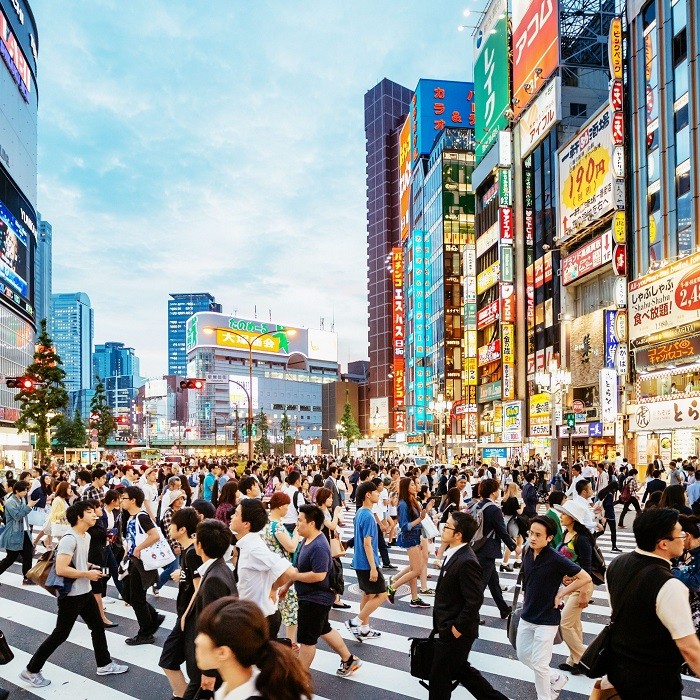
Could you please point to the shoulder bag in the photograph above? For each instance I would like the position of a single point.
(514, 617)
(594, 661)
(159, 554)
(337, 549)
(6, 654)
(421, 654)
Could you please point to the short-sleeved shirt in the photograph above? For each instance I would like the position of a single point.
(365, 526)
(208, 485)
(542, 577)
(190, 561)
(146, 524)
(315, 556)
(77, 547)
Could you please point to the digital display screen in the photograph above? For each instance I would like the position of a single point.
(17, 231)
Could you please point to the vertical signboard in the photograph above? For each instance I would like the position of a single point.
(535, 47)
(405, 177)
(491, 80)
(399, 339)
(418, 291)
(608, 395)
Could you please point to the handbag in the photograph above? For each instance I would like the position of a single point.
(594, 660)
(430, 530)
(337, 549)
(599, 693)
(422, 652)
(40, 571)
(37, 517)
(159, 554)
(514, 617)
(6, 654)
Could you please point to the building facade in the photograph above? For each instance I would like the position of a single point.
(180, 308)
(18, 219)
(119, 369)
(290, 365)
(386, 106)
(43, 271)
(72, 331)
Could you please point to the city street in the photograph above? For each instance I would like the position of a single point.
(26, 616)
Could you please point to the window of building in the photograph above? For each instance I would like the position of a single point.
(578, 110)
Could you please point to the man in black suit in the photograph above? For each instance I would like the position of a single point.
(495, 532)
(656, 484)
(215, 581)
(458, 597)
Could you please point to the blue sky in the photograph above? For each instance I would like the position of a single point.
(219, 146)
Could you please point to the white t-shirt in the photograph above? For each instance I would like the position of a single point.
(292, 512)
(77, 546)
(150, 494)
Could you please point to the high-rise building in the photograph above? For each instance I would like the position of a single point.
(72, 329)
(180, 308)
(119, 369)
(18, 220)
(43, 266)
(386, 106)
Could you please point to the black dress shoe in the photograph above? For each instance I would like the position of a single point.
(140, 639)
(341, 606)
(160, 619)
(109, 626)
(482, 622)
(574, 670)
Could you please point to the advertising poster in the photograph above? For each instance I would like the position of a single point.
(586, 176)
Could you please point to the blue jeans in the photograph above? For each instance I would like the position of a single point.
(165, 576)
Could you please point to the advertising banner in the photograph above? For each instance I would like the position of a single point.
(379, 414)
(666, 299)
(491, 83)
(488, 277)
(436, 105)
(682, 350)
(505, 196)
(608, 395)
(586, 176)
(508, 381)
(488, 392)
(487, 315)
(660, 415)
(513, 421)
(506, 255)
(508, 342)
(405, 178)
(487, 239)
(505, 222)
(540, 117)
(586, 259)
(535, 48)
(489, 352)
(540, 409)
(507, 303)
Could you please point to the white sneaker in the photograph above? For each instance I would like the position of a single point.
(34, 679)
(557, 683)
(111, 669)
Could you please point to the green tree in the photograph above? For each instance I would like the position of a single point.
(101, 417)
(263, 430)
(42, 406)
(349, 431)
(80, 435)
(285, 429)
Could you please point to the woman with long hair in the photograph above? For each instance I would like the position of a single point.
(674, 497)
(228, 498)
(410, 516)
(56, 524)
(279, 540)
(233, 640)
(510, 505)
(331, 528)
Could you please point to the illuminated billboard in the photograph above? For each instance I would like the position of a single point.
(17, 246)
(18, 107)
(220, 330)
(491, 83)
(535, 48)
(437, 105)
(405, 178)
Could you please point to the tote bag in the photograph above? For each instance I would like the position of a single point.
(159, 554)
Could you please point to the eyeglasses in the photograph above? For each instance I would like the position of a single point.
(682, 536)
(448, 527)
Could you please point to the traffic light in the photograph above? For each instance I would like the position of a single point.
(192, 383)
(22, 383)
(571, 420)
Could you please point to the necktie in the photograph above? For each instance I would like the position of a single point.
(238, 558)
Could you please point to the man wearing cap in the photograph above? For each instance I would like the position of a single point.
(177, 501)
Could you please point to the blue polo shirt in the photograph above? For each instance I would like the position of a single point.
(542, 577)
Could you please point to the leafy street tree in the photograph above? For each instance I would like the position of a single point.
(263, 430)
(101, 417)
(41, 406)
(285, 429)
(70, 432)
(349, 431)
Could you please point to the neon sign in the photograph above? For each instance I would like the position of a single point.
(14, 58)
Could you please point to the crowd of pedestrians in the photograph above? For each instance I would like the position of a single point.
(255, 551)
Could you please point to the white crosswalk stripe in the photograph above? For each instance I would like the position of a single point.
(27, 615)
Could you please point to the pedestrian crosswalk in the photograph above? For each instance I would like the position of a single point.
(27, 615)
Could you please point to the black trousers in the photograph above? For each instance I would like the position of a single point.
(383, 550)
(490, 579)
(451, 663)
(613, 530)
(69, 608)
(13, 555)
(632, 502)
(634, 682)
(134, 594)
(194, 672)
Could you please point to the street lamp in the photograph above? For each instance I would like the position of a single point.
(555, 381)
(440, 408)
(250, 342)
